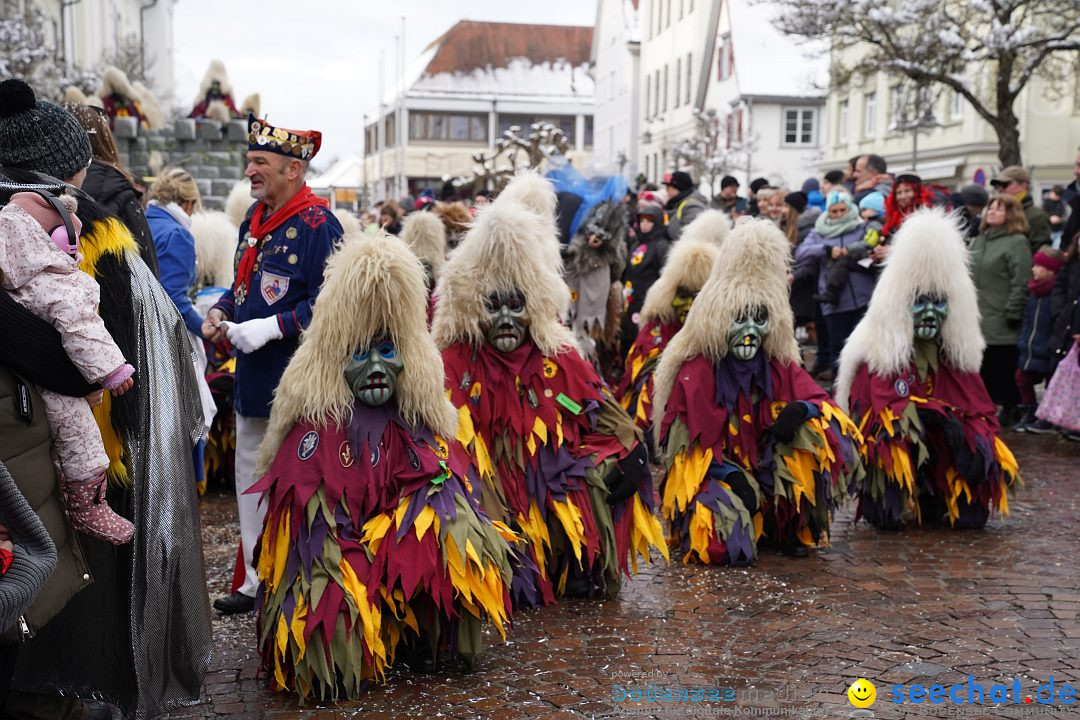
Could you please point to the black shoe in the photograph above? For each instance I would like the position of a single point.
(796, 549)
(234, 604)
(1041, 427)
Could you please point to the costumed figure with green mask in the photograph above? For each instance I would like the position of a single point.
(909, 376)
(667, 303)
(373, 550)
(752, 447)
(554, 454)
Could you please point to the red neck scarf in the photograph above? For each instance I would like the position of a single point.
(261, 225)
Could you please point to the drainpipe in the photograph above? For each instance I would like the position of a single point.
(142, 34)
(64, 5)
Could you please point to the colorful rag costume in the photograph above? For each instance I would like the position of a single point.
(751, 445)
(554, 454)
(911, 381)
(372, 543)
(668, 301)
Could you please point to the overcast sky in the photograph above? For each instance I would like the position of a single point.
(315, 62)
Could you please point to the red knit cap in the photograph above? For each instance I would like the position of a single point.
(1052, 264)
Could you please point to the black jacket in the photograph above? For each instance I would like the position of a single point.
(1064, 306)
(109, 187)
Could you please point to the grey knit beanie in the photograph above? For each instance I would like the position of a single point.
(35, 554)
(38, 135)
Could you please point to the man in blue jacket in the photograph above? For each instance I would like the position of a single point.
(283, 248)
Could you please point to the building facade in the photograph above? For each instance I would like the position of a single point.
(466, 89)
(89, 33)
(615, 68)
(725, 56)
(956, 146)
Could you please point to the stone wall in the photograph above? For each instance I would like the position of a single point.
(213, 153)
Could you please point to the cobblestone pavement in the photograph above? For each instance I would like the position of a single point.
(926, 606)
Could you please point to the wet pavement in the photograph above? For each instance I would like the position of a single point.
(783, 638)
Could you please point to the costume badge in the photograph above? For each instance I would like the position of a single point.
(902, 388)
(638, 256)
(573, 295)
(414, 459)
(291, 233)
(273, 287)
(375, 456)
(308, 444)
(550, 368)
(345, 454)
(442, 448)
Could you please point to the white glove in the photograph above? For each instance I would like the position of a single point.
(251, 335)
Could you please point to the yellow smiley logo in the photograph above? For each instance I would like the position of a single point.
(862, 693)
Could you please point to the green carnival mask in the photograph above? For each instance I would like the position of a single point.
(682, 302)
(748, 333)
(929, 312)
(372, 372)
(508, 320)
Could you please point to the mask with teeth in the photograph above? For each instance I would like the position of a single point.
(682, 302)
(508, 320)
(372, 372)
(929, 312)
(748, 333)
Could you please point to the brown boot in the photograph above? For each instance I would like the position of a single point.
(91, 515)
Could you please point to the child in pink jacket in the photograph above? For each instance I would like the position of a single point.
(39, 263)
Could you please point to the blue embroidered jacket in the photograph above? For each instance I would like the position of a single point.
(286, 278)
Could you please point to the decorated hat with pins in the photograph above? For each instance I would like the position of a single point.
(299, 144)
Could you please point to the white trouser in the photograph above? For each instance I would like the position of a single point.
(249, 435)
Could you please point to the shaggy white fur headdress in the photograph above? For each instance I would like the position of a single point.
(114, 80)
(216, 71)
(372, 285)
(350, 224)
(239, 202)
(425, 234)
(928, 256)
(688, 265)
(510, 246)
(537, 195)
(215, 246)
(753, 272)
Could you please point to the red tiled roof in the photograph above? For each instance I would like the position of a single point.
(472, 45)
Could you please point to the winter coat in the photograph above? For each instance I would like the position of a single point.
(645, 261)
(681, 210)
(1034, 339)
(26, 453)
(812, 260)
(1064, 306)
(112, 189)
(803, 289)
(1001, 268)
(806, 220)
(175, 246)
(732, 206)
(47, 281)
(1038, 224)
